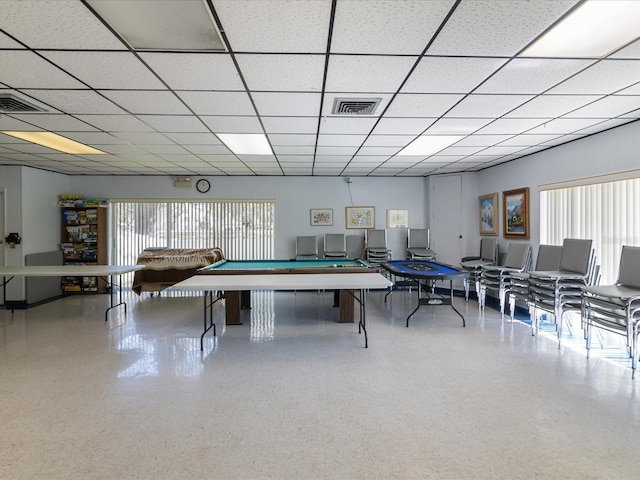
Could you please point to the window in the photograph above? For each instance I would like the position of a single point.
(242, 229)
(607, 213)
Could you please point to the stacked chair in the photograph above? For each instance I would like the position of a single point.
(616, 308)
(497, 279)
(419, 245)
(548, 259)
(559, 292)
(376, 247)
(488, 256)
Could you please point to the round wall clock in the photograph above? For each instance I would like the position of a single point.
(203, 185)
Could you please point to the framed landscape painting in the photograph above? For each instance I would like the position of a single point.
(515, 211)
(488, 212)
(321, 217)
(360, 217)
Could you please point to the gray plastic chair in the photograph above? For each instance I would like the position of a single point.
(548, 259)
(488, 256)
(494, 278)
(616, 308)
(335, 245)
(306, 247)
(376, 248)
(559, 292)
(419, 245)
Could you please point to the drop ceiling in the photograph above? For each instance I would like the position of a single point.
(438, 67)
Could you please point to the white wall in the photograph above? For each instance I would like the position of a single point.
(615, 150)
(294, 197)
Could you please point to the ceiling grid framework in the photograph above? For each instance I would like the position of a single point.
(443, 68)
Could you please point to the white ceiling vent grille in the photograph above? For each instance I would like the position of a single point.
(10, 103)
(355, 106)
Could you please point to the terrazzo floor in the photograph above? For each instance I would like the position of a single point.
(292, 394)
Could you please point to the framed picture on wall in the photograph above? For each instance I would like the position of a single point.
(488, 211)
(515, 212)
(321, 217)
(360, 217)
(397, 218)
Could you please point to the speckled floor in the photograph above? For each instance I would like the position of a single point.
(291, 394)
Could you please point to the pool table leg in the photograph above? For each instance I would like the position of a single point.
(346, 306)
(233, 302)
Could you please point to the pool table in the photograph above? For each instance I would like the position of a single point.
(426, 273)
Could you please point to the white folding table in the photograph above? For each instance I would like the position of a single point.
(349, 282)
(106, 272)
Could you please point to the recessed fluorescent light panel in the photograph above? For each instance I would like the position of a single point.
(246, 143)
(593, 30)
(174, 25)
(55, 142)
(429, 144)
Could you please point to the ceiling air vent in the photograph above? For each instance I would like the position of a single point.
(355, 106)
(10, 103)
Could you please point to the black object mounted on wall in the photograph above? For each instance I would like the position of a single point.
(13, 239)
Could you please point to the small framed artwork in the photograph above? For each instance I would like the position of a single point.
(321, 217)
(515, 212)
(360, 217)
(397, 218)
(488, 212)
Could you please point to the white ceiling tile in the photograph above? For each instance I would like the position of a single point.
(174, 123)
(116, 123)
(510, 126)
(10, 123)
(564, 125)
(496, 27)
(379, 151)
(632, 90)
(402, 126)
(147, 102)
(195, 71)
(287, 104)
(608, 107)
(386, 27)
(193, 138)
(298, 139)
(230, 124)
(604, 125)
(630, 51)
(56, 123)
(95, 138)
(282, 73)
(106, 70)
(421, 105)
(338, 125)
(300, 26)
(389, 140)
(336, 150)
(487, 106)
(450, 75)
(531, 75)
(221, 160)
(460, 151)
(293, 149)
(23, 69)
(384, 74)
(457, 126)
(290, 125)
(605, 77)
(528, 139)
(482, 140)
(218, 103)
(8, 42)
(341, 140)
(76, 101)
(500, 150)
(59, 24)
(545, 106)
(143, 138)
(375, 160)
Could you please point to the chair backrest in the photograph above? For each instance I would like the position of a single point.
(334, 242)
(418, 238)
(576, 256)
(355, 246)
(548, 258)
(377, 238)
(306, 246)
(489, 248)
(629, 271)
(518, 256)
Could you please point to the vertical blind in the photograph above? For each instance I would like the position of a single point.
(242, 229)
(607, 213)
